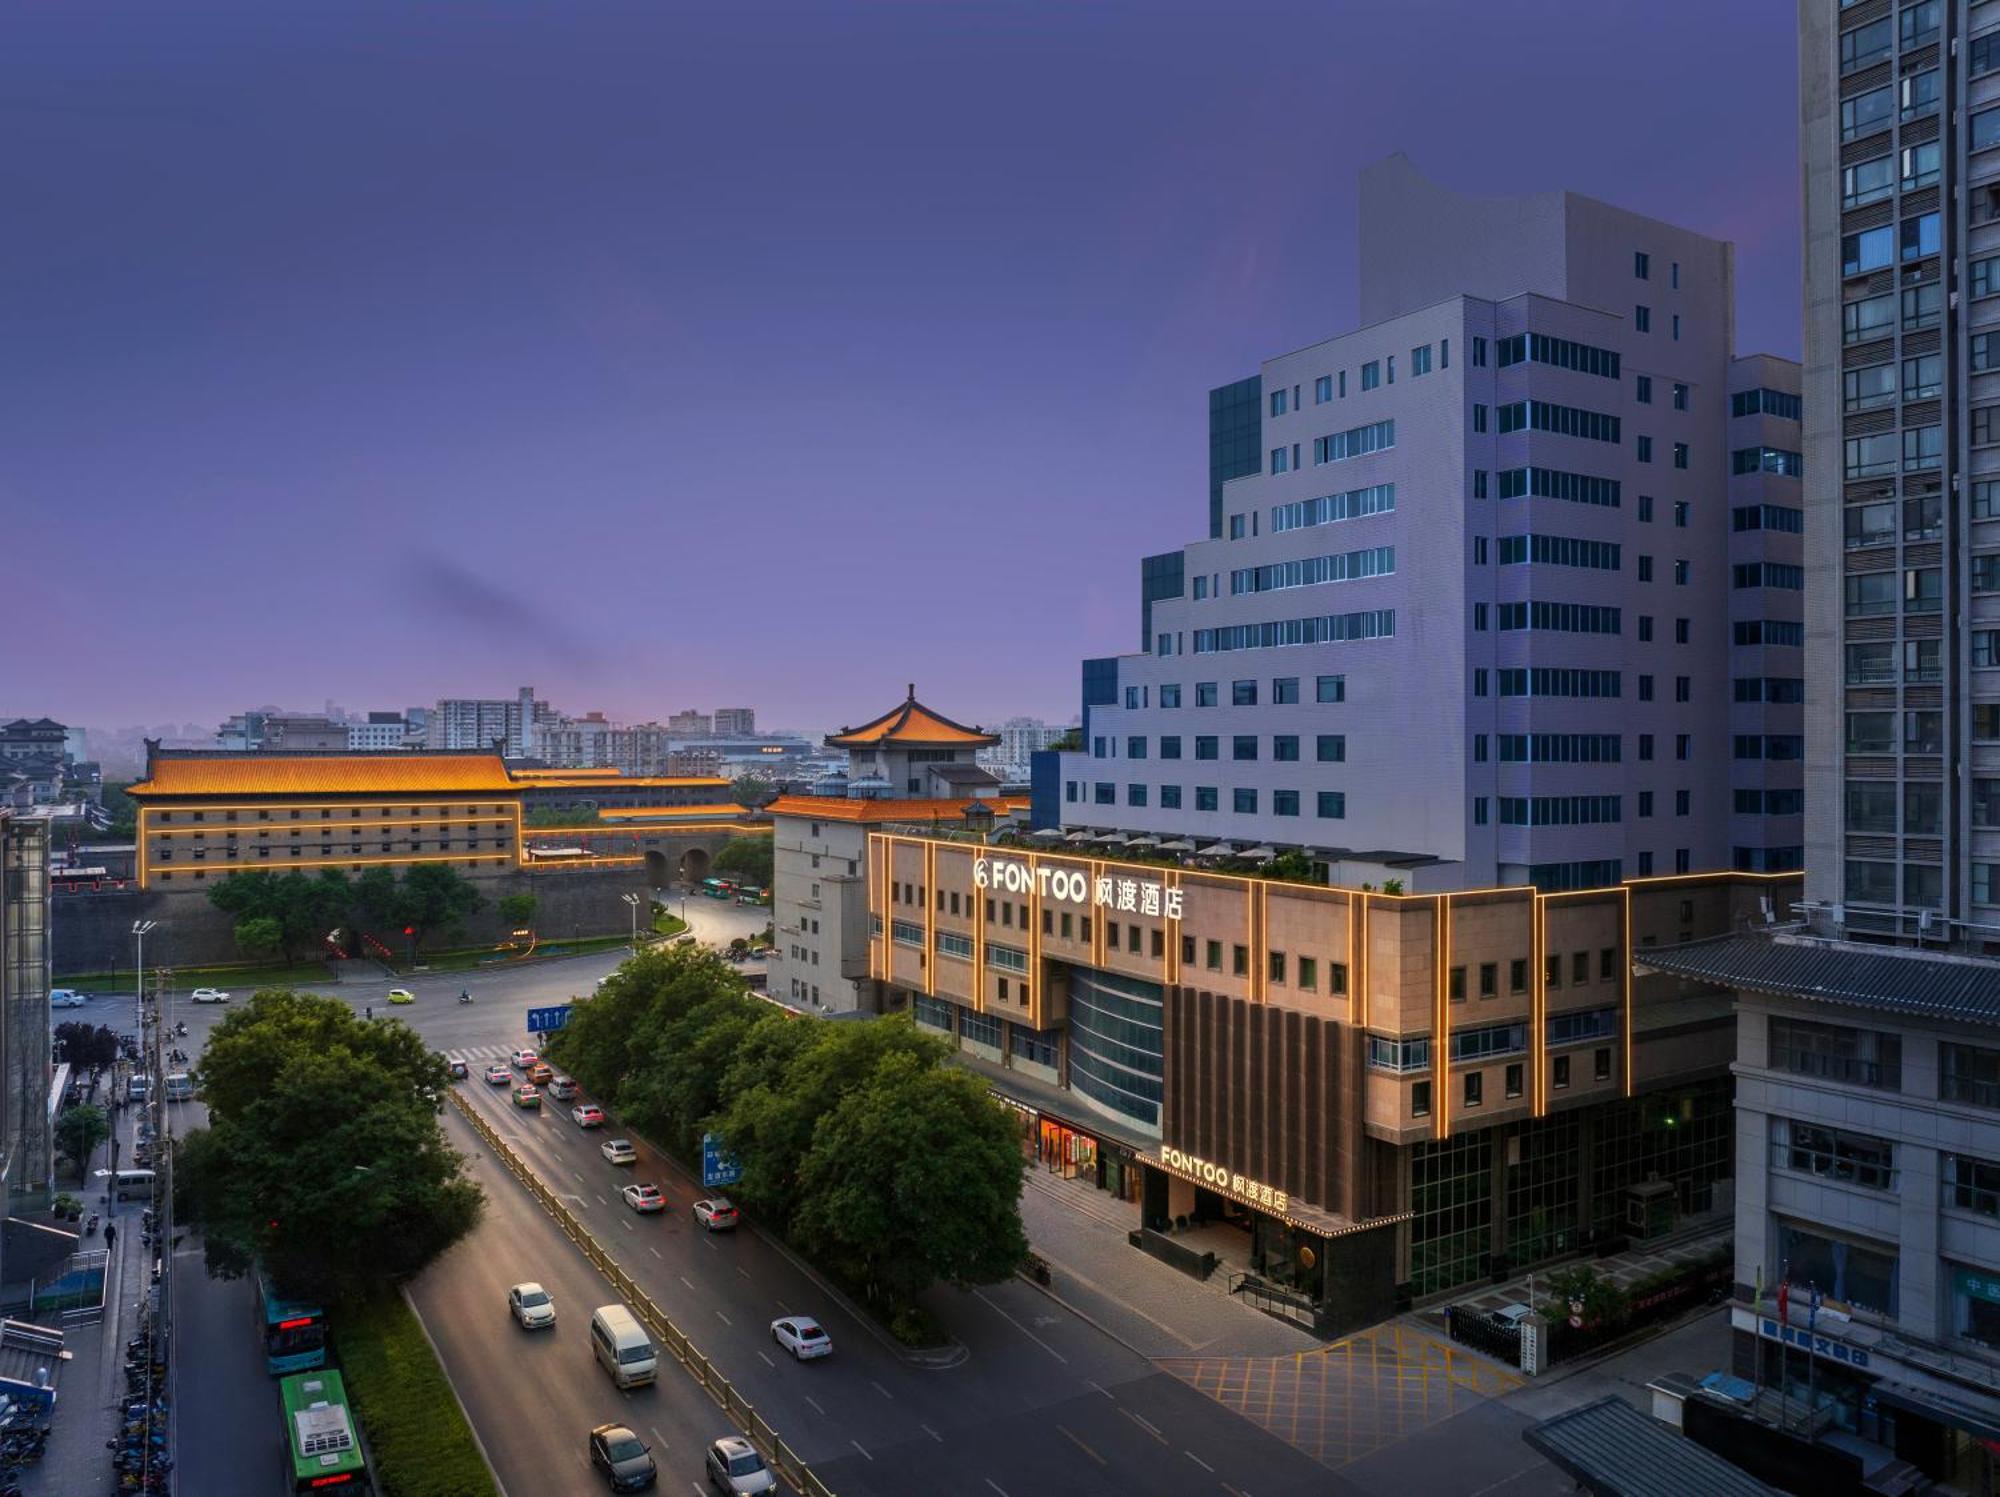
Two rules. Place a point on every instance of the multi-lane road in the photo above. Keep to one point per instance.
(1040, 1402)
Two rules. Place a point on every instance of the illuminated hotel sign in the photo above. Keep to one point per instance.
(1136, 896)
(1220, 1177)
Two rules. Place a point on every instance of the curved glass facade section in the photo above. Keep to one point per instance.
(1117, 1043)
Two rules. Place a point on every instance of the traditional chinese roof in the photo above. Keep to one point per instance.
(911, 722)
(224, 773)
(669, 813)
(834, 808)
(591, 779)
(1925, 984)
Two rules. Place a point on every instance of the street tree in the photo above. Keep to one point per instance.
(374, 895)
(894, 1218)
(752, 791)
(518, 909)
(435, 899)
(79, 1130)
(323, 1157)
(85, 1045)
(259, 936)
(748, 858)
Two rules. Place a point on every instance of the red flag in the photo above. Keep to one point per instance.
(1784, 1302)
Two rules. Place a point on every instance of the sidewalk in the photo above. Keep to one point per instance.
(1156, 1310)
(90, 1394)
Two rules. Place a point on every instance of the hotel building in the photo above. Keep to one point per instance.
(1420, 1089)
(1501, 588)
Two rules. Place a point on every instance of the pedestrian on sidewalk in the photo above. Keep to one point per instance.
(110, 1238)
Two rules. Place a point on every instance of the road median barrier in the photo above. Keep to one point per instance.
(755, 1427)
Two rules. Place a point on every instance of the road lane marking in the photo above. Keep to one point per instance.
(882, 1390)
(996, 1486)
(724, 1318)
(1199, 1461)
(685, 1279)
(815, 1403)
(1234, 1492)
(767, 1361)
(624, 1223)
(981, 1294)
(934, 1435)
(1100, 1388)
(654, 1251)
(1083, 1447)
(742, 1270)
(657, 1435)
(602, 1201)
(1143, 1424)
(858, 1446)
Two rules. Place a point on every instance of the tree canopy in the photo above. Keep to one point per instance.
(858, 1141)
(747, 857)
(79, 1130)
(323, 1157)
(292, 913)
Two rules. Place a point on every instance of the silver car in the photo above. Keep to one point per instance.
(734, 1467)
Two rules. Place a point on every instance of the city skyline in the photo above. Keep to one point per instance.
(451, 334)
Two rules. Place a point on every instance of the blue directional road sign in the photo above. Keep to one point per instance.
(718, 1165)
(541, 1020)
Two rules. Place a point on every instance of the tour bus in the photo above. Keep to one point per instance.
(319, 1434)
(294, 1331)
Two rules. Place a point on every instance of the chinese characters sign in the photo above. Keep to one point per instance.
(1220, 1177)
(1807, 1341)
(1133, 896)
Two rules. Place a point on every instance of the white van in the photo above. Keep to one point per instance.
(137, 1088)
(622, 1346)
(131, 1185)
(180, 1087)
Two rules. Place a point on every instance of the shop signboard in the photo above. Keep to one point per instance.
(1136, 896)
(1221, 1178)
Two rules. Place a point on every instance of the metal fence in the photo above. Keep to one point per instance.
(1483, 1333)
(754, 1425)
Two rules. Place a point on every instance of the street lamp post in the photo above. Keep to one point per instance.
(632, 902)
(139, 929)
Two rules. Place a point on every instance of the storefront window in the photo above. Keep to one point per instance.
(1118, 1043)
(1849, 1272)
(1975, 1305)
(1451, 1185)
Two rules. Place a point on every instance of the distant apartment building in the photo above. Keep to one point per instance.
(1899, 124)
(303, 735)
(381, 733)
(735, 722)
(1021, 738)
(37, 738)
(476, 724)
(1501, 588)
(691, 724)
(595, 742)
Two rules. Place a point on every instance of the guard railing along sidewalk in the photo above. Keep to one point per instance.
(757, 1428)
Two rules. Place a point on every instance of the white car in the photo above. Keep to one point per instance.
(644, 1198)
(208, 995)
(619, 1151)
(735, 1468)
(588, 1115)
(522, 1059)
(802, 1336)
(531, 1306)
(66, 998)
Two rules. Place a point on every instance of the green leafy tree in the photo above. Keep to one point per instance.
(560, 816)
(79, 1130)
(747, 858)
(1604, 1303)
(518, 909)
(752, 791)
(84, 1044)
(435, 898)
(122, 809)
(323, 1156)
(373, 900)
(894, 1218)
(259, 936)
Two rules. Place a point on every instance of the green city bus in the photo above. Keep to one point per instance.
(324, 1450)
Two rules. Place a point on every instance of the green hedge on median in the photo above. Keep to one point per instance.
(419, 1441)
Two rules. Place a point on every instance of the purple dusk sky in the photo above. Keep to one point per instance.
(661, 355)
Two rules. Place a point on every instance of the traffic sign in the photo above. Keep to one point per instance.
(541, 1020)
(718, 1165)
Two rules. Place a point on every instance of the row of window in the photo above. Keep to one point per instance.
(1875, 732)
(1560, 810)
(1768, 517)
(1769, 802)
(1330, 748)
(1560, 618)
(1767, 574)
(1869, 882)
(1884, 662)
(1917, 448)
(161, 818)
(1372, 623)
(1766, 402)
(1330, 805)
(1561, 353)
(1767, 460)
(1871, 181)
(1563, 420)
(1328, 387)
(1328, 509)
(1310, 571)
(1874, 317)
(1915, 589)
(1870, 806)
(1875, 249)
(1558, 551)
(1552, 483)
(1911, 98)
(1242, 693)
(1558, 748)
(1784, 690)
(1872, 386)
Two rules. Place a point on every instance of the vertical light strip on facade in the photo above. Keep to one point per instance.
(1033, 1000)
(1538, 1002)
(928, 891)
(1259, 940)
(1096, 924)
(1357, 1001)
(1625, 941)
(142, 848)
(1173, 881)
(978, 941)
(1440, 1022)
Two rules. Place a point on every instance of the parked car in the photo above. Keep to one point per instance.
(619, 1151)
(401, 995)
(717, 1213)
(622, 1457)
(1511, 1316)
(531, 1305)
(522, 1059)
(645, 1198)
(735, 1468)
(67, 998)
(527, 1096)
(589, 1115)
(802, 1336)
(208, 995)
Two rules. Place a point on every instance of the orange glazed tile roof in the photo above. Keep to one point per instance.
(323, 774)
(834, 808)
(590, 779)
(666, 813)
(565, 774)
(910, 722)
